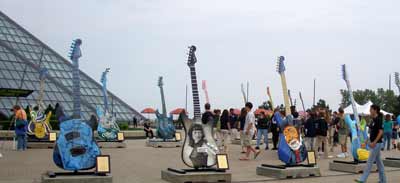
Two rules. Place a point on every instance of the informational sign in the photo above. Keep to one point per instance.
(178, 136)
(52, 136)
(222, 162)
(311, 158)
(103, 164)
(120, 136)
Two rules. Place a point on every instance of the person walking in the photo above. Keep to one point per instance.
(275, 130)
(249, 132)
(224, 130)
(375, 145)
(322, 132)
(343, 131)
(309, 131)
(242, 120)
(234, 126)
(387, 131)
(263, 124)
(20, 127)
(134, 122)
(394, 132)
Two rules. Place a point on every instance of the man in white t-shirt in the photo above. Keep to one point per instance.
(249, 132)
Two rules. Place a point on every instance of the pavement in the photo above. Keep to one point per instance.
(138, 163)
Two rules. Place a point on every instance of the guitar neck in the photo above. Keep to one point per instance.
(76, 90)
(353, 102)
(285, 94)
(302, 102)
(105, 96)
(272, 102)
(195, 92)
(164, 108)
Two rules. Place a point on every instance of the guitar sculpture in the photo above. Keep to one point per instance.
(108, 128)
(199, 149)
(204, 87)
(354, 125)
(292, 150)
(302, 102)
(243, 93)
(270, 98)
(397, 80)
(290, 98)
(75, 148)
(39, 126)
(165, 126)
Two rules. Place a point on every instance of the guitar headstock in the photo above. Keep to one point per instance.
(103, 76)
(204, 85)
(75, 51)
(281, 65)
(397, 79)
(192, 56)
(268, 91)
(344, 73)
(242, 88)
(43, 73)
(160, 81)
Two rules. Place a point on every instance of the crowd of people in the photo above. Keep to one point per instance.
(321, 129)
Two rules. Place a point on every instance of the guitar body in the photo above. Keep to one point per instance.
(165, 127)
(292, 150)
(108, 128)
(199, 149)
(203, 153)
(76, 148)
(39, 126)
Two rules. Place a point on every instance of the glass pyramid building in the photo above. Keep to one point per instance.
(22, 55)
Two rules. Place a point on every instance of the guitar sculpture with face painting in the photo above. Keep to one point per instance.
(292, 150)
(199, 149)
(354, 125)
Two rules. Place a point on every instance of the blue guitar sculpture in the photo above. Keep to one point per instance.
(75, 148)
(165, 126)
(354, 125)
(292, 150)
(108, 129)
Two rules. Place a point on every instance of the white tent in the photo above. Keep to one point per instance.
(362, 109)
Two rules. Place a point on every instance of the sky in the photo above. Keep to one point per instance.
(237, 42)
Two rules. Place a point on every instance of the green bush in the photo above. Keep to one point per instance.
(123, 126)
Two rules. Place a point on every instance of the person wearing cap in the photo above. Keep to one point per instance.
(20, 127)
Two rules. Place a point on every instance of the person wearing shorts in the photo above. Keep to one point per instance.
(343, 131)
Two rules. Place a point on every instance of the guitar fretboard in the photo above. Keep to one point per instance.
(195, 92)
(76, 90)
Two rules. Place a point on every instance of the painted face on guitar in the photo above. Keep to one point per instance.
(292, 137)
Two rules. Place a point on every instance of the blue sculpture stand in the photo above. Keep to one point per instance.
(195, 175)
(75, 177)
(161, 143)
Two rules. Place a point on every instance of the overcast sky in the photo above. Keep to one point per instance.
(237, 41)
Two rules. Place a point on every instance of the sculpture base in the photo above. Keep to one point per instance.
(392, 162)
(237, 142)
(41, 145)
(160, 143)
(283, 172)
(79, 177)
(349, 166)
(192, 175)
(111, 144)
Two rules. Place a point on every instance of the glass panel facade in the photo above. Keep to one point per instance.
(22, 56)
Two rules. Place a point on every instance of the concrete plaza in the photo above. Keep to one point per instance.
(138, 163)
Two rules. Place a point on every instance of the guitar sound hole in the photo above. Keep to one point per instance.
(76, 151)
(72, 135)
